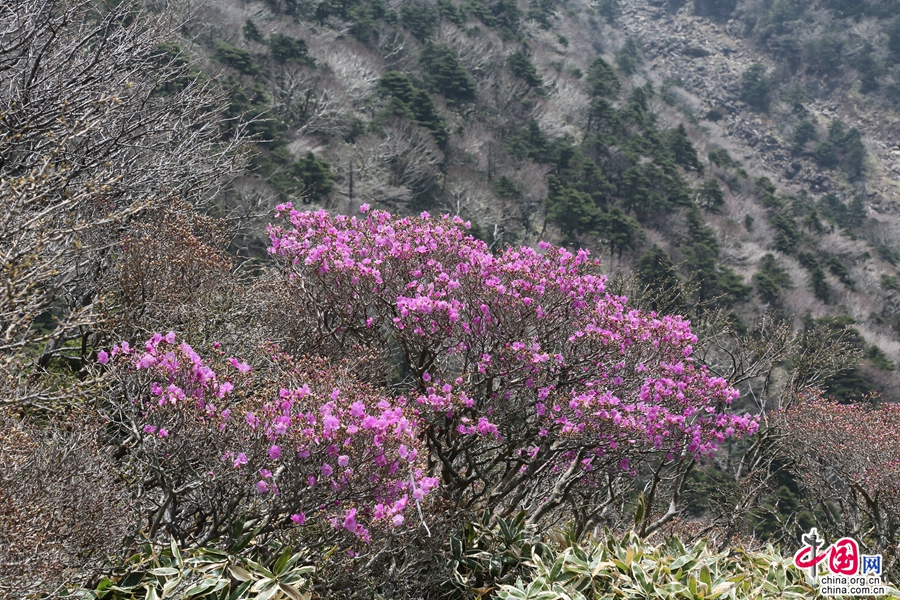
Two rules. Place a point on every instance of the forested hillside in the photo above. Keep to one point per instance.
(498, 298)
(747, 147)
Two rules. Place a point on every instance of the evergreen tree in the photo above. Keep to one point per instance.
(756, 87)
(641, 191)
(506, 188)
(628, 58)
(572, 210)
(285, 48)
(420, 19)
(710, 195)
(237, 58)
(819, 285)
(620, 231)
(252, 32)
(446, 75)
(770, 279)
(315, 175)
(530, 143)
(804, 133)
(519, 65)
(395, 83)
(601, 80)
(721, 158)
(448, 10)
(787, 235)
(683, 150)
(655, 269)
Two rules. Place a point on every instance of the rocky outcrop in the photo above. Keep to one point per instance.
(707, 60)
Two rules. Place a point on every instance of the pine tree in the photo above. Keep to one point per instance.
(446, 75)
(252, 32)
(710, 195)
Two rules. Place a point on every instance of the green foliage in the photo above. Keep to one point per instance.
(644, 191)
(748, 222)
(602, 81)
(619, 231)
(796, 96)
(610, 10)
(632, 569)
(252, 105)
(839, 270)
(628, 58)
(890, 283)
(842, 148)
(819, 285)
(311, 177)
(520, 65)
(656, 271)
(479, 10)
(236, 58)
(721, 158)
(530, 142)
(505, 187)
(701, 251)
(485, 555)
(868, 68)
(448, 10)
(409, 102)
(543, 11)
(887, 254)
(770, 279)
(682, 149)
(284, 48)
(572, 210)
(832, 209)
(171, 54)
(506, 18)
(878, 358)
(655, 268)
(169, 571)
(420, 19)
(756, 87)
(823, 55)
(710, 195)
(856, 213)
(706, 488)
(804, 132)
(787, 235)
(252, 32)
(445, 75)
(365, 19)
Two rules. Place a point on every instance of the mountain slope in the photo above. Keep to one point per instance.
(657, 135)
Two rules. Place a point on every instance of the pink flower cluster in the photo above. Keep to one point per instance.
(523, 348)
(347, 455)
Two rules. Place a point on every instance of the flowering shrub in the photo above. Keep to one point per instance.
(531, 381)
(293, 441)
(847, 458)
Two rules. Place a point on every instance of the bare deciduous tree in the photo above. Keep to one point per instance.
(101, 117)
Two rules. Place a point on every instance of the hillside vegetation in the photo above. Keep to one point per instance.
(434, 299)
